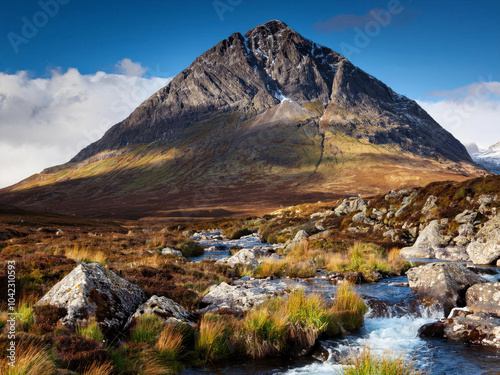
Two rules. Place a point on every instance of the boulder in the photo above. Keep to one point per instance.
(350, 205)
(478, 329)
(428, 242)
(244, 296)
(466, 230)
(243, 257)
(91, 291)
(171, 312)
(466, 217)
(300, 236)
(452, 253)
(430, 204)
(486, 199)
(445, 283)
(486, 247)
(170, 251)
(465, 327)
(484, 298)
(361, 218)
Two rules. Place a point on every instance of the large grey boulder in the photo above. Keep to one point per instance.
(244, 257)
(241, 297)
(350, 205)
(430, 204)
(91, 291)
(170, 311)
(484, 298)
(486, 248)
(478, 329)
(171, 251)
(466, 217)
(300, 236)
(428, 242)
(445, 283)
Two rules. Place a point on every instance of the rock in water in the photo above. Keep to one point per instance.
(484, 298)
(241, 297)
(445, 283)
(486, 248)
(242, 257)
(91, 291)
(170, 311)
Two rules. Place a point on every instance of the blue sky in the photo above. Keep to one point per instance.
(429, 45)
(70, 69)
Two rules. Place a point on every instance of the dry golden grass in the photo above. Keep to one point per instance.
(31, 359)
(156, 260)
(97, 368)
(367, 363)
(79, 253)
(169, 343)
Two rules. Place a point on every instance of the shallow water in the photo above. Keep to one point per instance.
(224, 245)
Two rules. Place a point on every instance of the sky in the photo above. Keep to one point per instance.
(70, 69)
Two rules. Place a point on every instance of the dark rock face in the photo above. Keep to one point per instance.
(445, 283)
(247, 74)
(253, 73)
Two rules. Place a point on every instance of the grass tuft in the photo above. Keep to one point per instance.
(366, 363)
(31, 359)
(147, 329)
(96, 368)
(212, 343)
(91, 331)
(348, 308)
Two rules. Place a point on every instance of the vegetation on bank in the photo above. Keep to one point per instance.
(281, 326)
(47, 247)
(304, 260)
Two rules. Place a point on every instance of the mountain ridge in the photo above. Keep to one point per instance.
(262, 119)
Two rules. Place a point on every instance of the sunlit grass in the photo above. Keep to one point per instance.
(82, 254)
(212, 342)
(367, 363)
(31, 359)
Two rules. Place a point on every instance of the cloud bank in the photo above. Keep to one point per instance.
(46, 121)
(471, 113)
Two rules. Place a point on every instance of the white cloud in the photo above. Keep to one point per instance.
(471, 113)
(129, 68)
(46, 121)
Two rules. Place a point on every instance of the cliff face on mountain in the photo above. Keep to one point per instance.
(259, 120)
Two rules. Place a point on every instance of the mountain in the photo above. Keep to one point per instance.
(260, 120)
(490, 158)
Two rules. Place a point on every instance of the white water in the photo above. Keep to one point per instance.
(399, 335)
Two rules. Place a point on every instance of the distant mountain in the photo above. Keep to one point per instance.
(490, 158)
(264, 119)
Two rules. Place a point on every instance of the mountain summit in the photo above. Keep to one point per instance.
(259, 120)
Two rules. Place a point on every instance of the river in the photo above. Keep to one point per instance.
(391, 324)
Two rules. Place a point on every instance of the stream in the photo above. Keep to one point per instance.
(391, 324)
